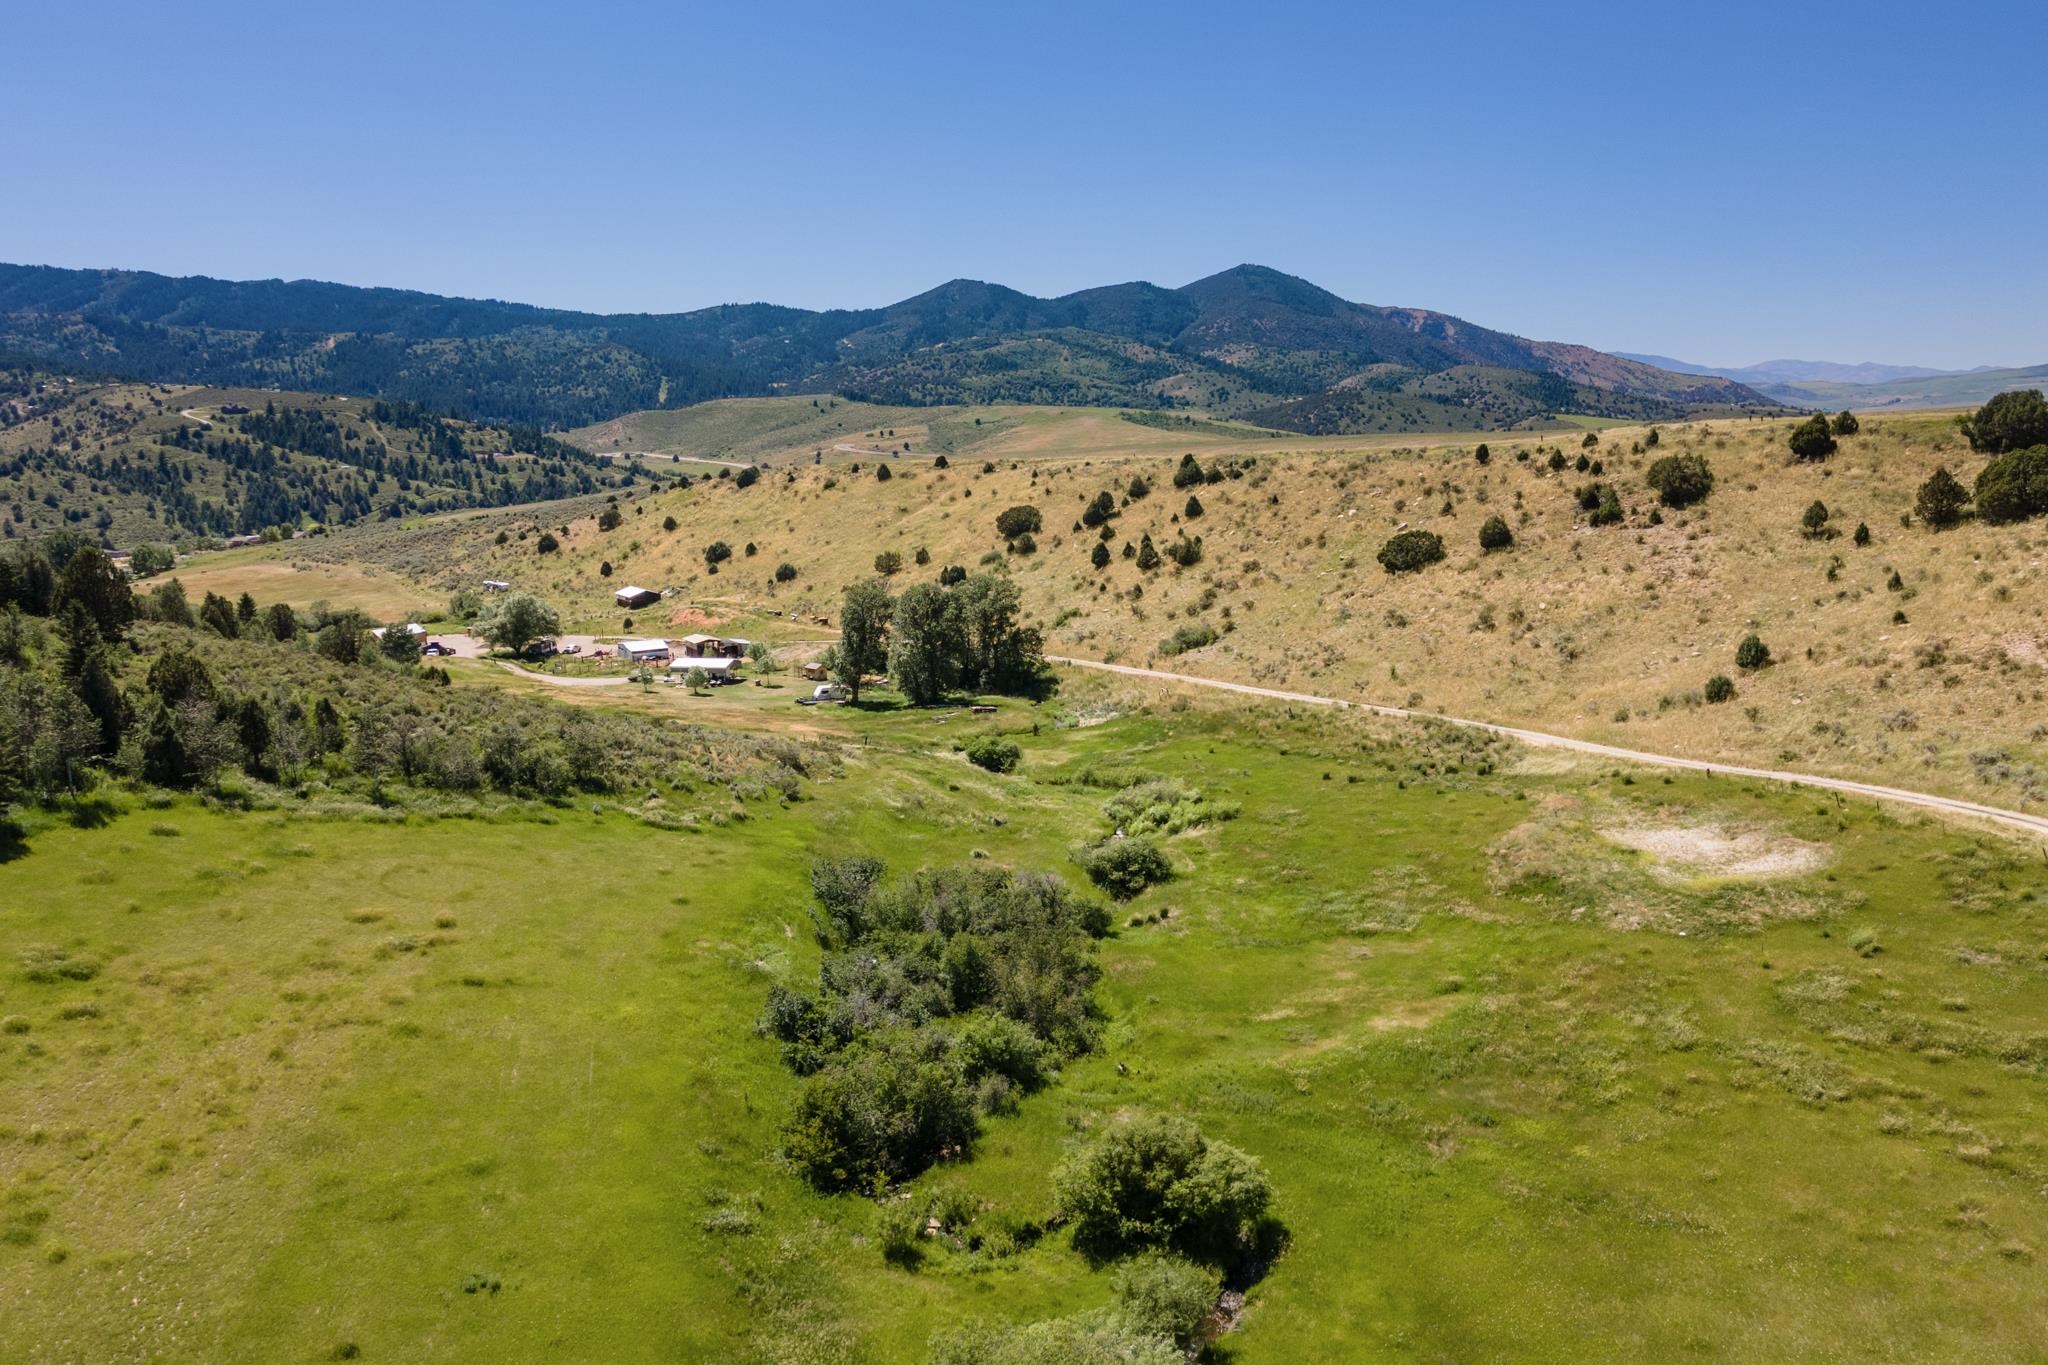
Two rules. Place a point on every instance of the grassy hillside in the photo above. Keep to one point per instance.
(128, 463)
(1537, 1067)
(755, 429)
(1607, 633)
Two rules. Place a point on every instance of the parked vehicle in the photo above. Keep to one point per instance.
(828, 692)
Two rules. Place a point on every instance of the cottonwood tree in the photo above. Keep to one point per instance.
(865, 611)
(516, 620)
(925, 644)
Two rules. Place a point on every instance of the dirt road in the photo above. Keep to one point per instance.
(664, 455)
(556, 680)
(1946, 805)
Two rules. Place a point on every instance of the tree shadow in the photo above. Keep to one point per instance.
(94, 811)
(13, 840)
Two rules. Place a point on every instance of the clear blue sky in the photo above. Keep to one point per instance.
(1723, 183)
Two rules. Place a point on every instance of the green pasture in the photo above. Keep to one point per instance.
(285, 1087)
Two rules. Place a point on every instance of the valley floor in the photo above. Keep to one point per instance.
(1547, 1061)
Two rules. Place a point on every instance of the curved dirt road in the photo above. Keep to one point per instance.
(554, 680)
(662, 455)
(1945, 805)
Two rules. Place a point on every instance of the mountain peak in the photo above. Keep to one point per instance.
(1261, 284)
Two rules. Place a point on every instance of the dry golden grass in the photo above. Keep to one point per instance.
(264, 575)
(1601, 633)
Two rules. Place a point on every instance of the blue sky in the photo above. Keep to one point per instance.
(1721, 183)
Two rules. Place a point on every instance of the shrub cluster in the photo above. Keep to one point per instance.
(1812, 439)
(1411, 550)
(1941, 499)
(1164, 805)
(2014, 487)
(1124, 866)
(1012, 522)
(1159, 1183)
(994, 753)
(940, 998)
(1187, 638)
(2010, 421)
(1681, 480)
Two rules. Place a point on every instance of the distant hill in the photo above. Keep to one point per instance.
(126, 463)
(1938, 391)
(1248, 342)
(1805, 371)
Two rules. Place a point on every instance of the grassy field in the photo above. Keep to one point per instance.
(1545, 1062)
(258, 571)
(1604, 633)
(781, 432)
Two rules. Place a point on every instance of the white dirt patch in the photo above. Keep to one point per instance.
(1683, 852)
(2023, 649)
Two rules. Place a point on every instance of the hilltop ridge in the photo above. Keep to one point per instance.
(1249, 341)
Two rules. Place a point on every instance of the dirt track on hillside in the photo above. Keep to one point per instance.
(1945, 805)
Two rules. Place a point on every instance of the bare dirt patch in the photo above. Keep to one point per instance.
(1685, 852)
(691, 616)
(2023, 649)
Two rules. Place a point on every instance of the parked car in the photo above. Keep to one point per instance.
(436, 648)
(571, 649)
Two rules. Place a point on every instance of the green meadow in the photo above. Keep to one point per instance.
(1567, 1064)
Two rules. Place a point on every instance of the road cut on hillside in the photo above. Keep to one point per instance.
(1945, 805)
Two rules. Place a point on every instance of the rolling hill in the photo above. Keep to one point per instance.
(129, 463)
(1935, 391)
(1247, 341)
(1933, 679)
(1804, 371)
(1827, 384)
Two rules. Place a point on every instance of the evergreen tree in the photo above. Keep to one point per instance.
(2010, 421)
(1940, 500)
(218, 615)
(282, 620)
(1100, 557)
(90, 679)
(1812, 439)
(1148, 557)
(91, 580)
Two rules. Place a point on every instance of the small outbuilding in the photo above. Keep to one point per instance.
(644, 651)
(717, 670)
(631, 596)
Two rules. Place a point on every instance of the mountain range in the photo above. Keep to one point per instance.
(1249, 342)
(1830, 384)
(1805, 371)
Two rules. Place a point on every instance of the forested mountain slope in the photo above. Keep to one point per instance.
(1249, 339)
(134, 463)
